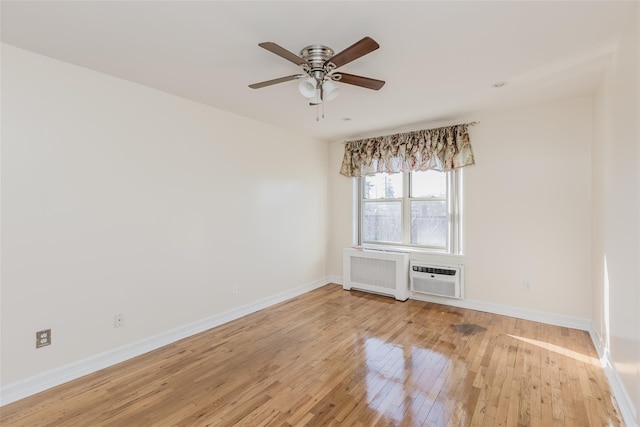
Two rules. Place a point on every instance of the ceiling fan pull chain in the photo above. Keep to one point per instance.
(322, 95)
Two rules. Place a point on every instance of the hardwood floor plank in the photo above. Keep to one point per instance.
(332, 357)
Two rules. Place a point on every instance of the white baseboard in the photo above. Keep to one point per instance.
(36, 384)
(506, 310)
(622, 398)
(30, 386)
(335, 279)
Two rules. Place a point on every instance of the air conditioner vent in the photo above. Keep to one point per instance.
(434, 270)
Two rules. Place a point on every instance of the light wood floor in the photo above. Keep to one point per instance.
(332, 357)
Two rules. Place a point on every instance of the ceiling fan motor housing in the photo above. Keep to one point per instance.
(317, 55)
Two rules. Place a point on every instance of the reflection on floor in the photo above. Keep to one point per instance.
(332, 357)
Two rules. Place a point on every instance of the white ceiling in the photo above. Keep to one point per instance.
(439, 58)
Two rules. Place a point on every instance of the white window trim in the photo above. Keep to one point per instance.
(454, 218)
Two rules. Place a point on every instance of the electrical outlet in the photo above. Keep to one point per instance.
(118, 320)
(235, 289)
(43, 338)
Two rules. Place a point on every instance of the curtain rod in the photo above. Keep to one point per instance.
(391, 132)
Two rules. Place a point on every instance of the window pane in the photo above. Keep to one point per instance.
(382, 222)
(429, 223)
(428, 184)
(383, 186)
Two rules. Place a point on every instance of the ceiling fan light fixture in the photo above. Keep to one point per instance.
(307, 87)
(330, 90)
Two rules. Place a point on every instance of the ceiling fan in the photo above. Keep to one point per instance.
(319, 66)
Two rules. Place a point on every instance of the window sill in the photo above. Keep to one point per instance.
(408, 249)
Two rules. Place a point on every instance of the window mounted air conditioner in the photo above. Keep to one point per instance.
(436, 279)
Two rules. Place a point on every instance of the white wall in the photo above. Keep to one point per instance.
(527, 205)
(526, 209)
(117, 198)
(616, 212)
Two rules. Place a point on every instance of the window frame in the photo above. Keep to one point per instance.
(454, 216)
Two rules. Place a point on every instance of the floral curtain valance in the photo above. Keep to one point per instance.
(442, 149)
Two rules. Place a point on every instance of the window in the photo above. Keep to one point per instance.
(419, 210)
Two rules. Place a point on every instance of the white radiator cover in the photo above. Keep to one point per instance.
(437, 279)
(376, 271)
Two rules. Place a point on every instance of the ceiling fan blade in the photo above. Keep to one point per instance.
(275, 81)
(367, 82)
(353, 52)
(284, 53)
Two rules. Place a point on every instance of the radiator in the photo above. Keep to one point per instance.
(379, 272)
(435, 279)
